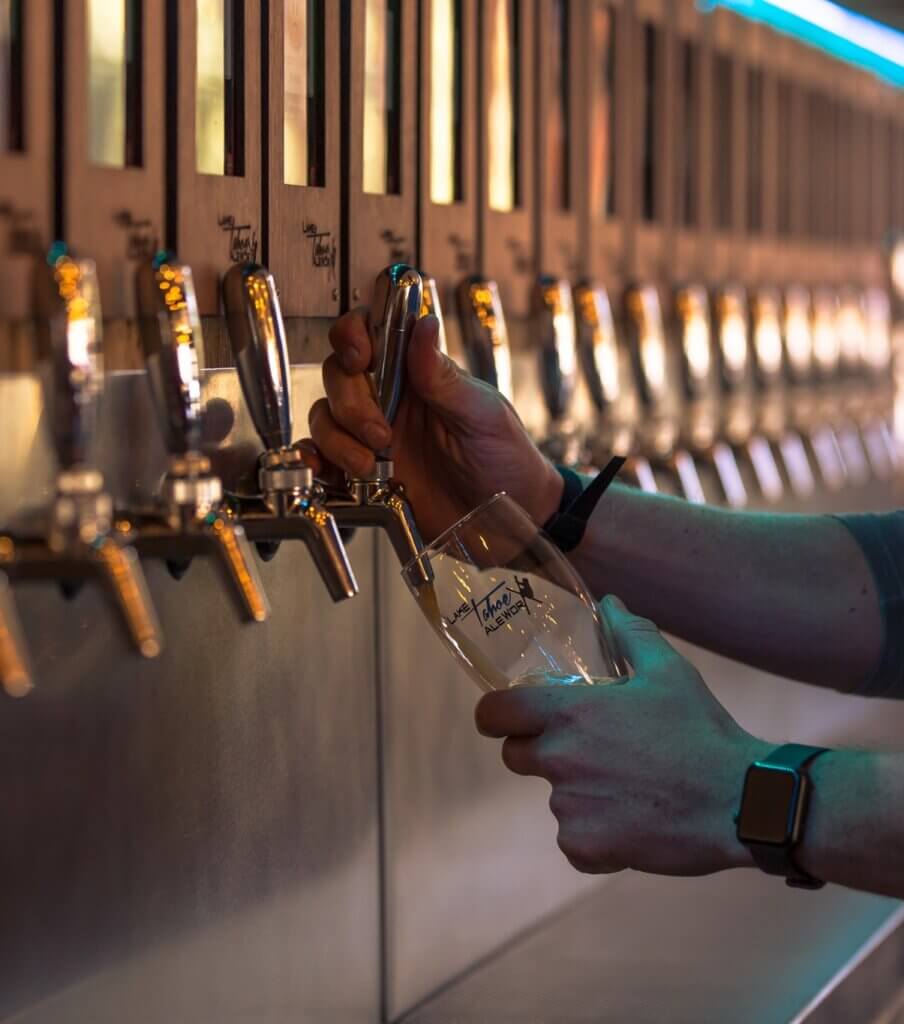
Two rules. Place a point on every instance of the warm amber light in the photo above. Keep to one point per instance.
(444, 74)
(376, 98)
(210, 79)
(106, 81)
(501, 111)
(295, 92)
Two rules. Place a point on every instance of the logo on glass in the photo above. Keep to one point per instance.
(498, 606)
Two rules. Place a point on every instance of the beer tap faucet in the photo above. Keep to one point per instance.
(736, 366)
(289, 506)
(378, 500)
(15, 676)
(484, 333)
(553, 330)
(703, 408)
(76, 540)
(187, 520)
(611, 390)
(661, 425)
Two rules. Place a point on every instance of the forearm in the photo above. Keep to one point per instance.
(855, 829)
(790, 594)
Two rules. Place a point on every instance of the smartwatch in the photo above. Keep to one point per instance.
(773, 813)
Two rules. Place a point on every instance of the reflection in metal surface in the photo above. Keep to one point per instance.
(797, 333)
(15, 674)
(187, 519)
(445, 101)
(696, 338)
(646, 314)
(503, 106)
(286, 505)
(431, 306)
(553, 328)
(484, 333)
(597, 344)
(767, 334)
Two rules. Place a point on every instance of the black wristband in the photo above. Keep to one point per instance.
(566, 528)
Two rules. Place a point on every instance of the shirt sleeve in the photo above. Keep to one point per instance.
(881, 538)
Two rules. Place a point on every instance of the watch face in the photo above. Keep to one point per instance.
(768, 805)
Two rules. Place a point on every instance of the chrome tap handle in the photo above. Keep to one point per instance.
(552, 316)
(171, 338)
(394, 310)
(484, 333)
(258, 337)
(597, 345)
(431, 306)
(68, 336)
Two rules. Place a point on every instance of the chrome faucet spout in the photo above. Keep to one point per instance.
(15, 674)
(386, 508)
(309, 522)
(186, 520)
(289, 505)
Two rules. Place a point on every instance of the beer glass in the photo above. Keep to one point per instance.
(509, 605)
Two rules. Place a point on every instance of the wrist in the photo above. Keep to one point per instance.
(549, 494)
(749, 749)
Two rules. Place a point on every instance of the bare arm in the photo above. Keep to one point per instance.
(792, 594)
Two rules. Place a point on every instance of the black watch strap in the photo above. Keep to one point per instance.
(566, 528)
(779, 860)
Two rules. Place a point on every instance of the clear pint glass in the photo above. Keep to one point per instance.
(509, 605)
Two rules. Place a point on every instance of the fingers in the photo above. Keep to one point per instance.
(337, 445)
(351, 341)
(523, 711)
(638, 639)
(444, 386)
(353, 405)
(521, 756)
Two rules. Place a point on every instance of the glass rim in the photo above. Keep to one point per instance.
(441, 538)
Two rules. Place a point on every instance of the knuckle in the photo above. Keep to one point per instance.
(316, 414)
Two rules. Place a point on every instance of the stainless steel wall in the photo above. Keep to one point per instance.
(193, 838)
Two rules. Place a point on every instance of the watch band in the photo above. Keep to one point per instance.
(566, 527)
(779, 860)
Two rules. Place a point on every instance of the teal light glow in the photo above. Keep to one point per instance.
(842, 33)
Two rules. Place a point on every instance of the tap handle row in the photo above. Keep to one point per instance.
(68, 338)
(171, 340)
(258, 337)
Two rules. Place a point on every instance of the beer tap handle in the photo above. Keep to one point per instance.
(68, 335)
(171, 339)
(484, 333)
(554, 328)
(258, 338)
(394, 310)
(15, 676)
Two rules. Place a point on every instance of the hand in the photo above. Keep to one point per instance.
(645, 774)
(455, 441)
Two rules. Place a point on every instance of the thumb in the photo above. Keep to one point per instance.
(638, 639)
(443, 385)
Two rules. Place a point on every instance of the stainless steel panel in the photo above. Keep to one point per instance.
(471, 855)
(195, 838)
(732, 947)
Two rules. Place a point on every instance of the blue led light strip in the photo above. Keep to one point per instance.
(842, 33)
